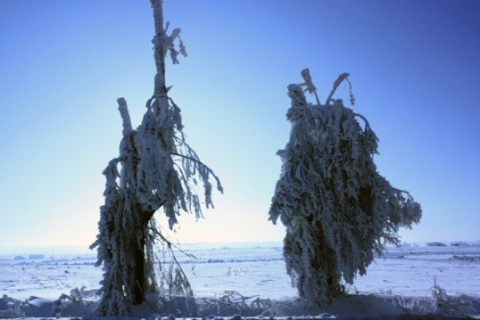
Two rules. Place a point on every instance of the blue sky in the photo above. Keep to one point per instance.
(414, 68)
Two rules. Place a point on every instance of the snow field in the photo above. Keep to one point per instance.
(403, 281)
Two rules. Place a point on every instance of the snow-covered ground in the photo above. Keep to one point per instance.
(250, 280)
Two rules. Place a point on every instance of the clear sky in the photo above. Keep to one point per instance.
(414, 66)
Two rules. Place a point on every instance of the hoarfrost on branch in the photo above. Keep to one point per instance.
(155, 171)
(338, 210)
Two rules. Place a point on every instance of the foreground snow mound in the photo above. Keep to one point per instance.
(234, 306)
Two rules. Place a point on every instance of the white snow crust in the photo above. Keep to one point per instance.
(249, 281)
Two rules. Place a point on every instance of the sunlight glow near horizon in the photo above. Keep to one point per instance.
(414, 69)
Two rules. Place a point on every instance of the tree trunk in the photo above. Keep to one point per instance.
(138, 276)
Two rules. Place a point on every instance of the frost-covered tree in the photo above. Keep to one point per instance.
(338, 211)
(156, 170)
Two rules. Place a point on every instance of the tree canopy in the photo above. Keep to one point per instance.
(338, 210)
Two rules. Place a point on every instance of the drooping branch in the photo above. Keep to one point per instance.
(180, 283)
(210, 171)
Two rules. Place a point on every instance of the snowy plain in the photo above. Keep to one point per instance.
(249, 280)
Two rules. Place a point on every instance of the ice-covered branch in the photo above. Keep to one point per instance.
(309, 84)
(126, 122)
(338, 211)
(150, 179)
(337, 82)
